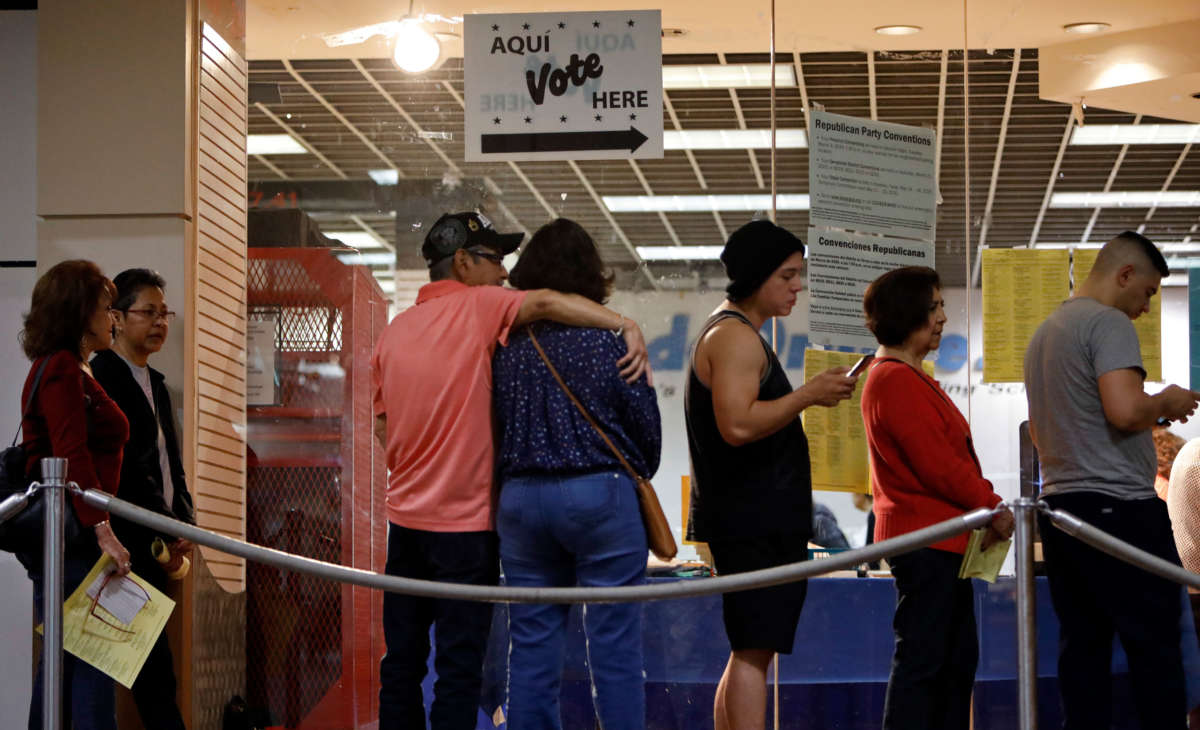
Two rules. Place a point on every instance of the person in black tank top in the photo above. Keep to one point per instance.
(751, 495)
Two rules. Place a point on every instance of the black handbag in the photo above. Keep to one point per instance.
(22, 533)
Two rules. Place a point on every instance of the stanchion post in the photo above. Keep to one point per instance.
(1024, 510)
(54, 472)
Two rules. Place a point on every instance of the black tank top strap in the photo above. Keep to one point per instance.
(724, 314)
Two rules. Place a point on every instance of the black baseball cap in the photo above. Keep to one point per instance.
(462, 230)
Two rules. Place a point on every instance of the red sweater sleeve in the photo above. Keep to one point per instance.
(60, 428)
(929, 439)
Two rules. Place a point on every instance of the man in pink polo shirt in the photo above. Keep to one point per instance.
(432, 374)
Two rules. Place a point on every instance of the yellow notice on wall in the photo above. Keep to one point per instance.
(837, 442)
(1148, 326)
(1021, 287)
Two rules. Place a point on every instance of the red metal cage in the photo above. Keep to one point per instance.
(315, 478)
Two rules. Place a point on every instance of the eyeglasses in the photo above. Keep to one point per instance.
(154, 314)
(96, 604)
(495, 258)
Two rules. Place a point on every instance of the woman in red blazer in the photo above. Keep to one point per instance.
(923, 471)
(72, 417)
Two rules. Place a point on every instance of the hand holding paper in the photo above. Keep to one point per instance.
(113, 624)
(983, 563)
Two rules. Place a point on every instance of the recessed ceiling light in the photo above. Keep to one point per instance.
(1111, 134)
(273, 144)
(898, 29)
(360, 240)
(702, 203)
(680, 253)
(733, 139)
(1128, 199)
(1084, 28)
(367, 259)
(728, 76)
(385, 176)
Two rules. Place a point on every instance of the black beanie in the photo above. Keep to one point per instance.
(752, 254)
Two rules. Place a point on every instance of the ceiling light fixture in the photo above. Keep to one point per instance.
(273, 144)
(727, 76)
(367, 259)
(1085, 28)
(385, 176)
(701, 203)
(898, 29)
(1128, 199)
(416, 49)
(360, 240)
(1097, 134)
(680, 253)
(1164, 246)
(733, 139)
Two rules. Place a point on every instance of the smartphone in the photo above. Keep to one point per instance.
(860, 366)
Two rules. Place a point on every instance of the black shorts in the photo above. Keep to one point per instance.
(761, 618)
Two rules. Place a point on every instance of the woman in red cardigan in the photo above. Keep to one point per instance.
(72, 417)
(923, 471)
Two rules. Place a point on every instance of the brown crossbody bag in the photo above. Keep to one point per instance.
(658, 532)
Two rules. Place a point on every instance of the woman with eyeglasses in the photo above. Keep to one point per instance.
(152, 471)
(70, 416)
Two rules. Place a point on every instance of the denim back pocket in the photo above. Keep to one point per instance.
(592, 499)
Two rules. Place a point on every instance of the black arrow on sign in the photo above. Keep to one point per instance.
(629, 139)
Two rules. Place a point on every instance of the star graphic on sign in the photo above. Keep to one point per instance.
(563, 119)
(495, 27)
(633, 116)
(595, 23)
(529, 120)
(525, 26)
(630, 23)
(495, 120)
(599, 118)
(561, 25)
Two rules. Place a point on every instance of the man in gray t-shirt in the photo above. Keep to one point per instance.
(1090, 419)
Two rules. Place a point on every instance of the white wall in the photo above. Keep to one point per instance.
(18, 184)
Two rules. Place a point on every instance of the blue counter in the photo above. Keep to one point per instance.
(836, 676)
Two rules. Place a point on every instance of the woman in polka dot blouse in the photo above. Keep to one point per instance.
(568, 513)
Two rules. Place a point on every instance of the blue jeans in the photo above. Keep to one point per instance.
(87, 693)
(460, 629)
(584, 530)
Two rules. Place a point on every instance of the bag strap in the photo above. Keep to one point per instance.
(37, 379)
(617, 452)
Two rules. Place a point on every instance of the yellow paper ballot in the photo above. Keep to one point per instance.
(983, 564)
(99, 637)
